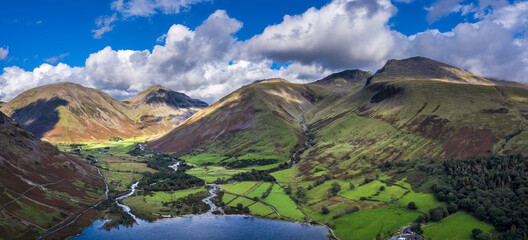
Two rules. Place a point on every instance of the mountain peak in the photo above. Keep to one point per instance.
(421, 68)
(158, 94)
(345, 77)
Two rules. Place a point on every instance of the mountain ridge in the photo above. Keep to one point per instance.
(70, 112)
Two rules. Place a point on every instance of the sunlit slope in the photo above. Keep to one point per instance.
(40, 187)
(159, 109)
(260, 121)
(68, 112)
(412, 115)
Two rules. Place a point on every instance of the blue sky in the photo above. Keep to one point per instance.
(49, 41)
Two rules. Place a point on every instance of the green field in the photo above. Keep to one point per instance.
(456, 227)
(390, 194)
(212, 173)
(366, 224)
(120, 181)
(424, 201)
(366, 190)
(283, 203)
(260, 209)
(244, 201)
(228, 197)
(239, 187)
(257, 192)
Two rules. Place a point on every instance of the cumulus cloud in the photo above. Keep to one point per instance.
(3, 53)
(340, 34)
(209, 62)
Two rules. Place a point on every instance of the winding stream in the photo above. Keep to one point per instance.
(125, 207)
(209, 202)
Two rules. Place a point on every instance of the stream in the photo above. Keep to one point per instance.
(125, 207)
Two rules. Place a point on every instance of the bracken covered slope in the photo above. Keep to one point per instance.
(41, 188)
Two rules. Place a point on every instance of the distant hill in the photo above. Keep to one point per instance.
(41, 188)
(159, 109)
(69, 112)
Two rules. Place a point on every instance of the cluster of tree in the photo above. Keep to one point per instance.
(168, 181)
(253, 175)
(115, 139)
(334, 190)
(494, 189)
(119, 216)
(191, 204)
(267, 192)
(242, 163)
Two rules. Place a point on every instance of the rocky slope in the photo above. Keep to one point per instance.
(68, 112)
(41, 188)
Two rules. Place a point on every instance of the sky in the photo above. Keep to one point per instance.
(209, 48)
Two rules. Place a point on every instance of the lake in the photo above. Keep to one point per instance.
(209, 227)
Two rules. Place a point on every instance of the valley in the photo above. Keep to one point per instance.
(416, 148)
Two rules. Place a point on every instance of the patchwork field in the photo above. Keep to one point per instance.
(366, 224)
(457, 226)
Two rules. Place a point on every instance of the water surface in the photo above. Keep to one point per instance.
(209, 227)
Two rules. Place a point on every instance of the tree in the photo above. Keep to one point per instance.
(336, 187)
(382, 188)
(412, 206)
(240, 206)
(436, 214)
(417, 228)
(352, 186)
(325, 210)
(476, 232)
(452, 208)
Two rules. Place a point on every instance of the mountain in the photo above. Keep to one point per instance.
(255, 125)
(162, 109)
(416, 109)
(41, 188)
(69, 112)
(410, 110)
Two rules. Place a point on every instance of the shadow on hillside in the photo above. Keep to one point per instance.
(41, 116)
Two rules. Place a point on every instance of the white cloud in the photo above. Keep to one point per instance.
(442, 8)
(3, 53)
(208, 62)
(56, 59)
(104, 25)
(340, 34)
(147, 8)
(139, 8)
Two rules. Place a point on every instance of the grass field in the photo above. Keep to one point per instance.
(257, 192)
(366, 224)
(424, 201)
(457, 226)
(239, 187)
(283, 203)
(245, 202)
(390, 194)
(228, 197)
(260, 209)
(212, 173)
(366, 190)
(120, 181)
